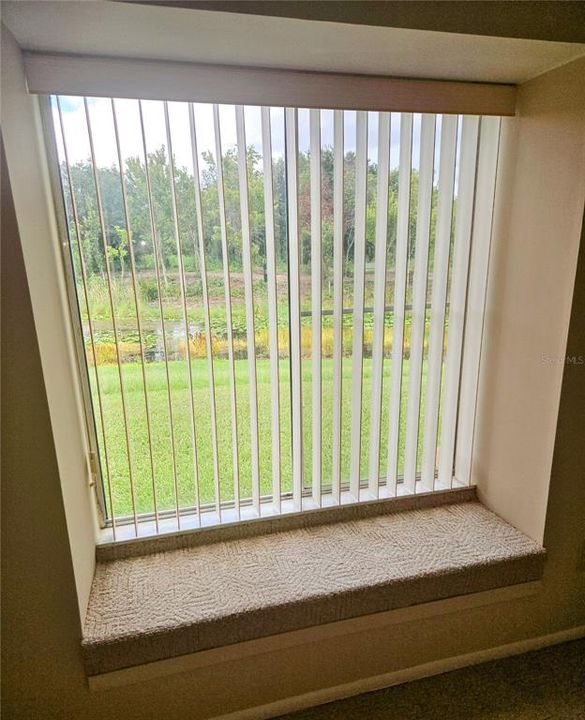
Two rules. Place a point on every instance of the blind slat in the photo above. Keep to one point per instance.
(316, 272)
(476, 294)
(419, 297)
(228, 312)
(137, 309)
(205, 293)
(291, 130)
(400, 271)
(156, 251)
(438, 297)
(103, 234)
(463, 226)
(183, 292)
(337, 299)
(359, 265)
(249, 299)
(379, 301)
(272, 304)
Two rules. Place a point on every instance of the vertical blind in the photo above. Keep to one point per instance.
(281, 308)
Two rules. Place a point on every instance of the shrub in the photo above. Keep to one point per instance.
(327, 342)
(306, 341)
(171, 290)
(215, 287)
(148, 290)
(193, 288)
(262, 343)
(106, 353)
(197, 347)
(220, 347)
(145, 262)
(283, 347)
(240, 349)
(239, 325)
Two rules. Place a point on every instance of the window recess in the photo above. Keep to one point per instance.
(281, 307)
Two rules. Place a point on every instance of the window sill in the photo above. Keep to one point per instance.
(212, 528)
(164, 605)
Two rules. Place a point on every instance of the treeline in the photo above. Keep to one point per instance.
(160, 179)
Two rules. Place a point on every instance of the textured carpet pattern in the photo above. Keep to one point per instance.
(172, 603)
(266, 525)
(544, 685)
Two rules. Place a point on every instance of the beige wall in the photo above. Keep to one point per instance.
(537, 222)
(26, 158)
(42, 673)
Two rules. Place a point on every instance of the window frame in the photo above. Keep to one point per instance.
(97, 480)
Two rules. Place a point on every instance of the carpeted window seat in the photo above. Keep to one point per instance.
(195, 596)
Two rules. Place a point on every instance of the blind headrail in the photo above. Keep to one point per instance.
(180, 81)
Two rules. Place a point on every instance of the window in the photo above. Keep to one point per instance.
(280, 309)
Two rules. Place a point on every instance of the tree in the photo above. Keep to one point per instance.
(163, 248)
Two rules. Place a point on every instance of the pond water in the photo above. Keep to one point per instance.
(153, 339)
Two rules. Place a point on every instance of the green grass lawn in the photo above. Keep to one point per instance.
(161, 435)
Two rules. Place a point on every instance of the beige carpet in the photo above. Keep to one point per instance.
(177, 602)
(544, 685)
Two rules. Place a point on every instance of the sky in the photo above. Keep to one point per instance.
(127, 115)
